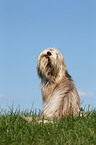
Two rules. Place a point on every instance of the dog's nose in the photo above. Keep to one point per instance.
(49, 53)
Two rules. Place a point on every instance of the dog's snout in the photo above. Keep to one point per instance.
(49, 53)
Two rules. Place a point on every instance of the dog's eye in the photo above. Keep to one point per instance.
(49, 53)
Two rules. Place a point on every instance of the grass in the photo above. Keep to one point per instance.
(68, 130)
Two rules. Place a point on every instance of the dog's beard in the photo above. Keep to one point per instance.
(47, 68)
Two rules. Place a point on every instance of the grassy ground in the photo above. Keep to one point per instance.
(66, 131)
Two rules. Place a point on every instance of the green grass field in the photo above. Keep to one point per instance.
(68, 130)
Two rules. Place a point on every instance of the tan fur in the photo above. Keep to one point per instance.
(59, 93)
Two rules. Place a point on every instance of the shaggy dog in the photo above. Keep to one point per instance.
(59, 93)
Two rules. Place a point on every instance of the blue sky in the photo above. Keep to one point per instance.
(28, 27)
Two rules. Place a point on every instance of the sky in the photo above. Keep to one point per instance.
(27, 28)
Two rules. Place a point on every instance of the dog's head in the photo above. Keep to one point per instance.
(51, 65)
